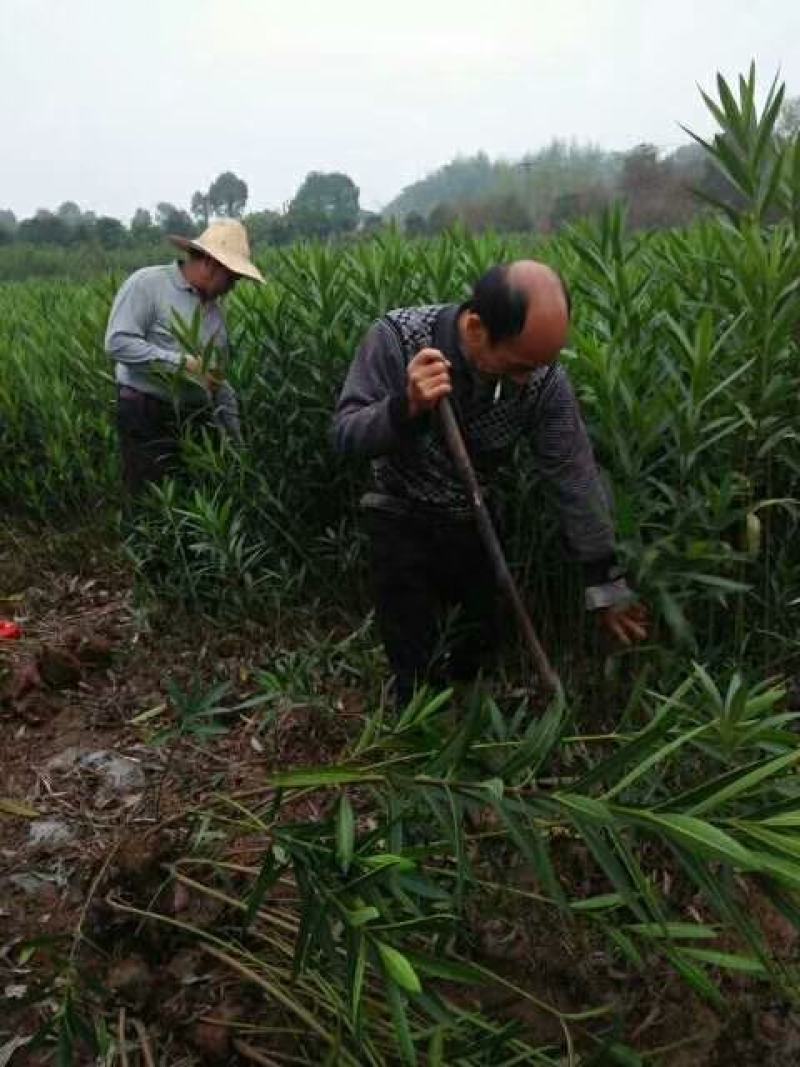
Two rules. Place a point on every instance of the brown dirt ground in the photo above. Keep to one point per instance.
(88, 665)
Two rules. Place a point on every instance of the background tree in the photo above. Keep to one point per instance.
(325, 203)
(44, 228)
(414, 224)
(506, 214)
(8, 226)
(442, 218)
(267, 228)
(142, 228)
(370, 222)
(656, 192)
(201, 208)
(70, 213)
(227, 195)
(141, 220)
(171, 219)
(109, 232)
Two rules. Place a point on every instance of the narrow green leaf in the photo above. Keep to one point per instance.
(436, 1048)
(783, 870)
(359, 916)
(674, 931)
(448, 969)
(345, 834)
(695, 977)
(746, 782)
(267, 876)
(602, 902)
(402, 1029)
(387, 859)
(655, 757)
(700, 836)
(359, 967)
(727, 960)
(326, 776)
(398, 968)
(588, 807)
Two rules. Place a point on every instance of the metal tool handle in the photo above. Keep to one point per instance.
(458, 450)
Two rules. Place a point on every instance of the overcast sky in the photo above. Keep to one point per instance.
(122, 103)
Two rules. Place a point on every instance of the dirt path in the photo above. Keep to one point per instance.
(100, 775)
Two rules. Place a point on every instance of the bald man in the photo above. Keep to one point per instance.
(496, 356)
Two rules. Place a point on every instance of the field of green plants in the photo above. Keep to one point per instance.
(646, 807)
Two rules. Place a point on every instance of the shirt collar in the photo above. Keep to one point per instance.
(179, 280)
(445, 333)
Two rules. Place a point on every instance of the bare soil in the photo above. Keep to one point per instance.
(88, 676)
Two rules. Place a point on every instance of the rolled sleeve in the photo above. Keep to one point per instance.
(609, 595)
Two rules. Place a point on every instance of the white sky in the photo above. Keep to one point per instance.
(122, 103)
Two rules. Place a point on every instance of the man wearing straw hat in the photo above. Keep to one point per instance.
(152, 308)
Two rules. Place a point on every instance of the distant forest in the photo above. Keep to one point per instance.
(542, 191)
(559, 184)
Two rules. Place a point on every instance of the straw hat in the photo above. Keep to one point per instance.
(226, 242)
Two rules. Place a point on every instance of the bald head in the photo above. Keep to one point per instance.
(517, 319)
(547, 320)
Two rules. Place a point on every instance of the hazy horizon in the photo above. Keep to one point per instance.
(121, 105)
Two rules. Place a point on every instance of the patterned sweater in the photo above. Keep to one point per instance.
(411, 465)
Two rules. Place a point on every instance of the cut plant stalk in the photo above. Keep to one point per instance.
(458, 450)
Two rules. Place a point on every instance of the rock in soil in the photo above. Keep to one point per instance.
(59, 668)
(118, 775)
(131, 979)
(33, 884)
(48, 835)
(212, 1041)
(24, 680)
(94, 651)
(121, 775)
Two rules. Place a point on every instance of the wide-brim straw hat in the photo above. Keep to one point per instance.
(226, 242)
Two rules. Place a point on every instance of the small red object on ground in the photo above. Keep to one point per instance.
(9, 631)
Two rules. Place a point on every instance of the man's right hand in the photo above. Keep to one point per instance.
(212, 379)
(192, 365)
(428, 380)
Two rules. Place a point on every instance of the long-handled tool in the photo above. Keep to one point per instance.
(458, 450)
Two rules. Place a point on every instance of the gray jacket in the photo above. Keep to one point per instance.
(410, 459)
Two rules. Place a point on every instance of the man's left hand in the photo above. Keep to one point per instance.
(214, 378)
(627, 624)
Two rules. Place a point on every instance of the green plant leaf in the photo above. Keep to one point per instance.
(345, 834)
(700, 836)
(398, 968)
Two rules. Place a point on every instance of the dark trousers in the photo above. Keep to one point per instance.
(149, 432)
(435, 597)
(149, 439)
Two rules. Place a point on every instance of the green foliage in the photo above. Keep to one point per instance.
(682, 802)
(197, 711)
(683, 353)
(227, 195)
(371, 910)
(324, 204)
(559, 184)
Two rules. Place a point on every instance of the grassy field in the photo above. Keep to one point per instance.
(649, 820)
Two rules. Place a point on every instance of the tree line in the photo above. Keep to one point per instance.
(565, 182)
(325, 204)
(542, 191)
